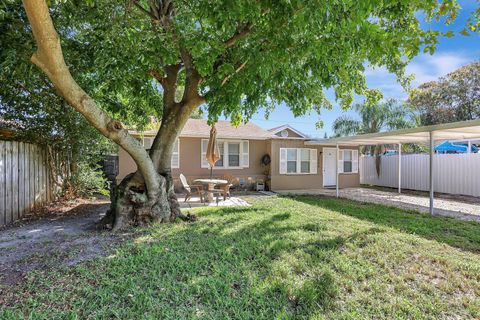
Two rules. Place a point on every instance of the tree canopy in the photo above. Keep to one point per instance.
(455, 97)
(383, 116)
(249, 55)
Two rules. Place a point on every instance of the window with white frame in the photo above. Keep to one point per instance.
(175, 162)
(234, 154)
(220, 162)
(304, 160)
(291, 160)
(348, 161)
(298, 161)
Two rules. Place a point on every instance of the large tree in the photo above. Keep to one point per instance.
(230, 57)
(454, 97)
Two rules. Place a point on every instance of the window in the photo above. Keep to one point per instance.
(304, 160)
(291, 160)
(219, 163)
(348, 161)
(298, 161)
(175, 162)
(234, 154)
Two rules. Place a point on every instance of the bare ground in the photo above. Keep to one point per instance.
(63, 235)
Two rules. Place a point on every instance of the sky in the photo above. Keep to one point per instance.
(451, 54)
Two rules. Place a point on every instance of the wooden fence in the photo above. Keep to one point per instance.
(26, 181)
(453, 173)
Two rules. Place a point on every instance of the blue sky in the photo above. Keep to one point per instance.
(451, 54)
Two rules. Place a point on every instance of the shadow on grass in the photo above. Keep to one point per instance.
(231, 266)
(294, 277)
(464, 235)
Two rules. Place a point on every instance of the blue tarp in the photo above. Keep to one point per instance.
(449, 147)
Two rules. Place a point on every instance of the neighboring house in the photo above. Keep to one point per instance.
(294, 165)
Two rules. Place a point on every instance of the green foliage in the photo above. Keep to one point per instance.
(455, 97)
(283, 52)
(384, 116)
(31, 104)
(87, 181)
(378, 117)
(282, 258)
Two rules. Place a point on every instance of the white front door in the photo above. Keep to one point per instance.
(329, 172)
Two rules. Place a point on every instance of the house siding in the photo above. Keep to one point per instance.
(190, 163)
(304, 181)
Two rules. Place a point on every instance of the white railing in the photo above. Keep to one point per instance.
(453, 173)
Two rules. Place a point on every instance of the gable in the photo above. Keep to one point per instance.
(288, 133)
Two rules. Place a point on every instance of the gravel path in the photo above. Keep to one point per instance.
(449, 207)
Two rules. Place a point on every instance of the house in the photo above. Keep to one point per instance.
(293, 165)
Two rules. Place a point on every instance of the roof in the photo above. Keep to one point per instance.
(200, 128)
(463, 130)
(286, 126)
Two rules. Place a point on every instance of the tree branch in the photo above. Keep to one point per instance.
(49, 58)
(154, 73)
(232, 74)
(239, 34)
(192, 79)
(148, 13)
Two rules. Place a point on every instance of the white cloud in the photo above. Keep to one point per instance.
(424, 67)
(428, 68)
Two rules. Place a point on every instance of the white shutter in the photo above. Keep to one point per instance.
(340, 161)
(283, 161)
(299, 160)
(175, 162)
(313, 161)
(245, 154)
(355, 161)
(204, 162)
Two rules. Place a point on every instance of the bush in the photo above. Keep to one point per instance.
(87, 181)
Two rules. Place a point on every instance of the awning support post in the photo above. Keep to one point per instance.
(399, 168)
(337, 180)
(432, 149)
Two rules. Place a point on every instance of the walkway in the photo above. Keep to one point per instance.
(452, 207)
(194, 202)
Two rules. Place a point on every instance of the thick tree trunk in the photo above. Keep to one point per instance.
(130, 204)
(146, 195)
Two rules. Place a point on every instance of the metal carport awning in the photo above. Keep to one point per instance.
(463, 130)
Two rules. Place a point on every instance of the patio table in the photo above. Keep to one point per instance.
(211, 186)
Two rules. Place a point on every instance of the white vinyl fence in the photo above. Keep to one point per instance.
(453, 173)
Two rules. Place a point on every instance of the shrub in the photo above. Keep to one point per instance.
(87, 181)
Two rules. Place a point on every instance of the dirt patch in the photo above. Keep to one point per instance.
(64, 235)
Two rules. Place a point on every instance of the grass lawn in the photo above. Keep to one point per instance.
(282, 258)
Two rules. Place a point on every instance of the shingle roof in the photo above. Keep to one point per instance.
(200, 128)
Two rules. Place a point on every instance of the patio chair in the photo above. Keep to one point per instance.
(224, 189)
(191, 189)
